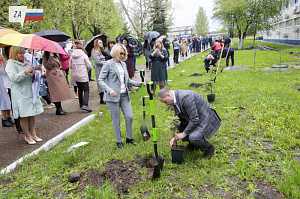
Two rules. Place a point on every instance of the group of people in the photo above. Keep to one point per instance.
(220, 49)
(199, 121)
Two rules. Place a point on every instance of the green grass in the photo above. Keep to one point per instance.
(256, 148)
(286, 48)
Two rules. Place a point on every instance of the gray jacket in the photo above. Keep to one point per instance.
(196, 114)
(111, 74)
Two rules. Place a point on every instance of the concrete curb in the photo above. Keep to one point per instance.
(49, 144)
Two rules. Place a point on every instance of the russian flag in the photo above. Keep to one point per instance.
(34, 14)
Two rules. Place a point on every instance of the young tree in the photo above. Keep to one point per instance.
(201, 24)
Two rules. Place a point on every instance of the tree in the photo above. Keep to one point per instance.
(159, 16)
(201, 24)
(243, 14)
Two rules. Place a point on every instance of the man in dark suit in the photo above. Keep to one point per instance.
(198, 120)
(230, 55)
(227, 41)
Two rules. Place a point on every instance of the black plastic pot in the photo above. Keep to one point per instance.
(211, 97)
(177, 154)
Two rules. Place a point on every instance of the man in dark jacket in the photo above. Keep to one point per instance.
(198, 120)
(227, 41)
(203, 43)
(230, 54)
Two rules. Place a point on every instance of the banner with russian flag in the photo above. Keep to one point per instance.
(22, 14)
(34, 15)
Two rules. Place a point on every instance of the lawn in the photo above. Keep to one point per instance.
(257, 149)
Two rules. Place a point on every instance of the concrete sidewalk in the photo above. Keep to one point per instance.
(48, 125)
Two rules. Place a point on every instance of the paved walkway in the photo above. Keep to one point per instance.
(48, 125)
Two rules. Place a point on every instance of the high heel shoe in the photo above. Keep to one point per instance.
(32, 142)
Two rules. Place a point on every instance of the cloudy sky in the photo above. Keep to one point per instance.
(186, 10)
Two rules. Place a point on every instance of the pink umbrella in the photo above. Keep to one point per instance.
(195, 36)
(31, 41)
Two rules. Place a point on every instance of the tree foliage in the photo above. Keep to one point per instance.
(201, 24)
(79, 18)
(159, 20)
(245, 14)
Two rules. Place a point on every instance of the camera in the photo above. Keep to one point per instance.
(157, 46)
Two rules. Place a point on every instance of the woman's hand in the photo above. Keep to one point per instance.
(143, 83)
(113, 93)
(29, 70)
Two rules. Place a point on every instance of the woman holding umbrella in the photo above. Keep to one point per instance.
(57, 83)
(159, 56)
(99, 60)
(114, 80)
(23, 104)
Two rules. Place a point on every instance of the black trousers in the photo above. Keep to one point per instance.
(83, 93)
(176, 54)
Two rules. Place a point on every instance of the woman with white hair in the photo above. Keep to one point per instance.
(114, 80)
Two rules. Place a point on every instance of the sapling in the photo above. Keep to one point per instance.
(174, 121)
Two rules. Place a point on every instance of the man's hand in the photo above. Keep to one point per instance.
(179, 136)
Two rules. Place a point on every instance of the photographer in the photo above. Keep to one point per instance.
(159, 74)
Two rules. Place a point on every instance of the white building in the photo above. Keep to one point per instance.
(286, 27)
(178, 31)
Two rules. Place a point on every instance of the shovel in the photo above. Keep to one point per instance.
(143, 128)
(159, 166)
(238, 107)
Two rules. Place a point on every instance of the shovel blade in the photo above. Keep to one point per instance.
(156, 172)
(145, 132)
(161, 163)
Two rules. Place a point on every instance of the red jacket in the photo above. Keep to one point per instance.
(218, 46)
(64, 60)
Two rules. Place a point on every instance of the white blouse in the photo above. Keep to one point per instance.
(122, 77)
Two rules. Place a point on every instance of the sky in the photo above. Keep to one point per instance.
(186, 10)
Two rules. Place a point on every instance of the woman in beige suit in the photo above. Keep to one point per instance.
(56, 79)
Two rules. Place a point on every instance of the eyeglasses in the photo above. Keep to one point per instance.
(121, 53)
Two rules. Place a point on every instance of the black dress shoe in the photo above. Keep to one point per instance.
(86, 108)
(6, 123)
(120, 145)
(10, 120)
(61, 112)
(209, 152)
(130, 141)
(91, 80)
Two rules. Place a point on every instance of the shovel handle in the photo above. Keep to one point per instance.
(150, 90)
(142, 74)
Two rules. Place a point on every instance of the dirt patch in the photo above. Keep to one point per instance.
(196, 74)
(196, 85)
(121, 175)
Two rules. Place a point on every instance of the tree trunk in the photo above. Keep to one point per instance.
(241, 41)
(126, 12)
(254, 37)
(74, 29)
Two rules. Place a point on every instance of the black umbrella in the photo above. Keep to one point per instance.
(90, 43)
(151, 35)
(54, 35)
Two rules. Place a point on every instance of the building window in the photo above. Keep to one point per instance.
(297, 21)
(281, 25)
(289, 23)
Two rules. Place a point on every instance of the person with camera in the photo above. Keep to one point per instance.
(159, 74)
